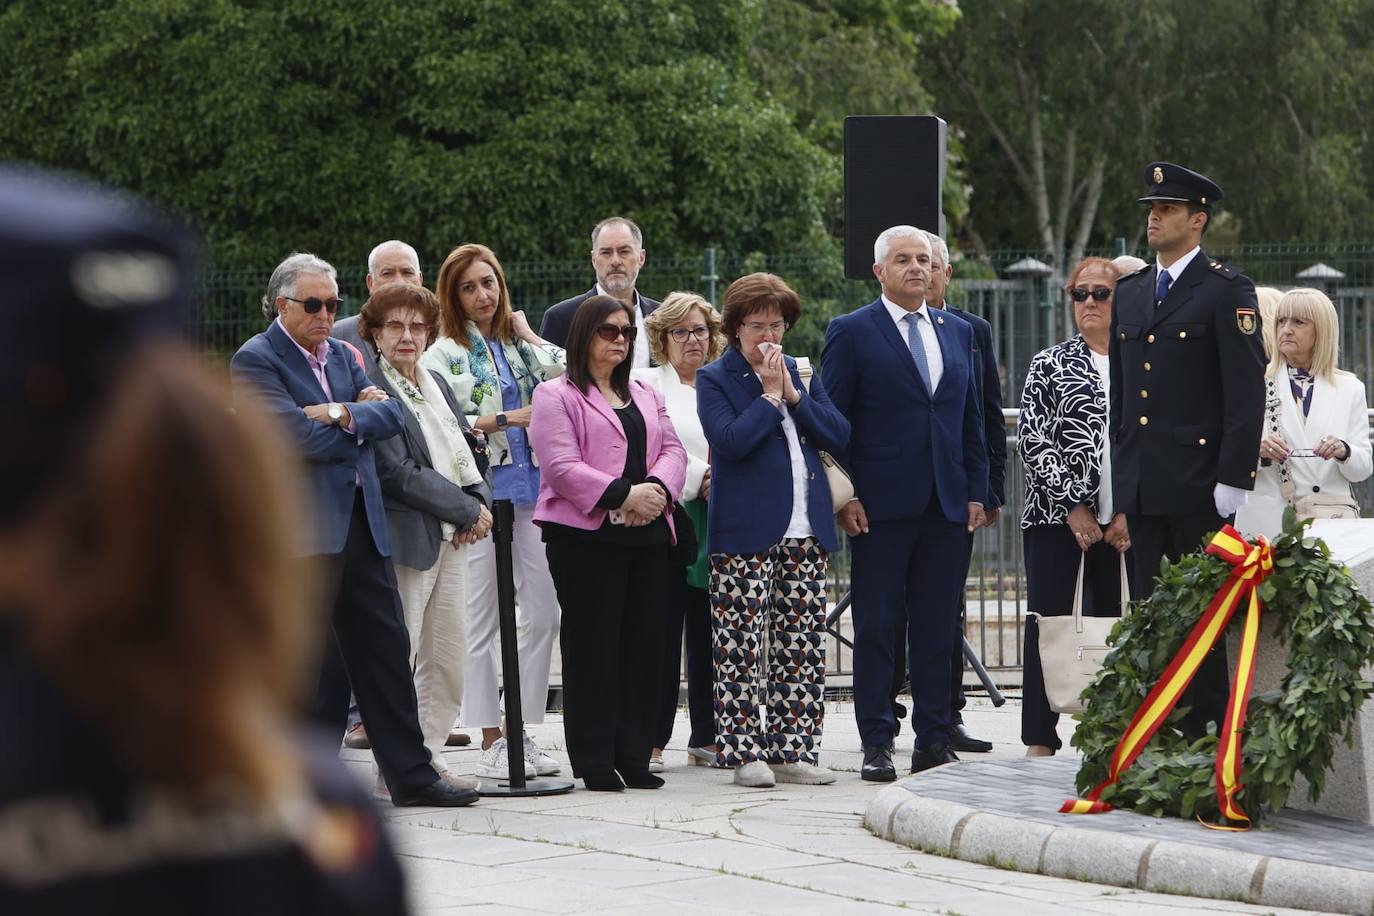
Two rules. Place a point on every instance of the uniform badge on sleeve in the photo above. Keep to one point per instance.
(1245, 320)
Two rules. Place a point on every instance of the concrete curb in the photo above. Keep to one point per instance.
(1086, 854)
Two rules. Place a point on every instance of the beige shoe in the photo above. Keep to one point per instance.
(459, 782)
(755, 774)
(802, 774)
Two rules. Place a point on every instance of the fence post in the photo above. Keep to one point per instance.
(708, 274)
(1118, 246)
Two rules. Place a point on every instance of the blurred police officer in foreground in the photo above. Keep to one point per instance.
(154, 630)
(1187, 397)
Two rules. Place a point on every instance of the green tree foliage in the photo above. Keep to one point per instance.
(329, 125)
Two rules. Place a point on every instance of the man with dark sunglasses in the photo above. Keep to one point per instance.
(1187, 398)
(617, 256)
(330, 411)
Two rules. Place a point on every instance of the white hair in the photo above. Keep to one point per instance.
(288, 274)
(937, 244)
(883, 244)
(393, 243)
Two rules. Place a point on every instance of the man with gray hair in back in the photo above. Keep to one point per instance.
(330, 412)
(392, 261)
(617, 256)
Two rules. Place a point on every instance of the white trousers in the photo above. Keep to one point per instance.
(536, 616)
(434, 600)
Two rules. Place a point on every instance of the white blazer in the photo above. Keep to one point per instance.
(681, 401)
(1339, 410)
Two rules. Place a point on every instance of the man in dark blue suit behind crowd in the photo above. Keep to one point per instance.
(332, 414)
(904, 376)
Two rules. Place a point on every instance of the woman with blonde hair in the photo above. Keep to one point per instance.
(684, 335)
(1268, 299)
(493, 361)
(1316, 426)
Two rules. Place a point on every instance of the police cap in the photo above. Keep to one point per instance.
(1167, 181)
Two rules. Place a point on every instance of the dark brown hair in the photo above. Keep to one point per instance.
(589, 316)
(159, 581)
(454, 324)
(389, 297)
(755, 293)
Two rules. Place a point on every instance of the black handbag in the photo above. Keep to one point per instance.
(684, 552)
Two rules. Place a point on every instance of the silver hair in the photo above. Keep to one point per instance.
(392, 243)
(629, 223)
(883, 244)
(288, 273)
(937, 244)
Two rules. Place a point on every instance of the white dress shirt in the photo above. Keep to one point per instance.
(1104, 487)
(1175, 269)
(681, 402)
(639, 355)
(935, 360)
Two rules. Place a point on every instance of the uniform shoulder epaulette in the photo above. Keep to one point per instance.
(1223, 269)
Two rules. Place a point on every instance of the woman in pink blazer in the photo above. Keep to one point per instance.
(612, 468)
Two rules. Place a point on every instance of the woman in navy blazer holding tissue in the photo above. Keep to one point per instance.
(770, 531)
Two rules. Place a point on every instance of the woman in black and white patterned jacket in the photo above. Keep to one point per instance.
(1068, 514)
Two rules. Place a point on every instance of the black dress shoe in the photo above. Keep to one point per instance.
(438, 794)
(603, 782)
(933, 756)
(877, 764)
(640, 779)
(961, 739)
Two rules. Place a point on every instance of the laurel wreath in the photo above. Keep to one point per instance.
(1328, 628)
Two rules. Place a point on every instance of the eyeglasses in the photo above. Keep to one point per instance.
(758, 327)
(700, 332)
(1099, 293)
(313, 305)
(417, 329)
(610, 332)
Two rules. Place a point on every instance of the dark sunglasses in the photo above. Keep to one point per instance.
(609, 332)
(313, 305)
(1099, 293)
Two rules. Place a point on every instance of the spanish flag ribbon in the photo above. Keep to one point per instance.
(1251, 564)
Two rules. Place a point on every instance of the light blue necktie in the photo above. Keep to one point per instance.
(1162, 288)
(918, 350)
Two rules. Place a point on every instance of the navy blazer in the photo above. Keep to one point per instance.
(751, 468)
(271, 370)
(558, 319)
(907, 444)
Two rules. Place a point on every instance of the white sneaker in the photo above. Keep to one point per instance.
(543, 764)
(460, 782)
(494, 765)
(804, 774)
(755, 774)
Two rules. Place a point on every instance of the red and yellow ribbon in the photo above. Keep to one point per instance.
(1251, 564)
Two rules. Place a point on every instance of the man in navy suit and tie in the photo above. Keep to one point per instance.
(332, 414)
(904, 376)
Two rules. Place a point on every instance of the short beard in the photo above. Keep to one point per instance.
(615, 286)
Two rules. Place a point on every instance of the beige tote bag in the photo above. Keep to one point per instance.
(1073, 647)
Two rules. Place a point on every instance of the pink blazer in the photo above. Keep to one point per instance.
(581, 449)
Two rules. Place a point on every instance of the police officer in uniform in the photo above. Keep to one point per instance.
(1187, 398)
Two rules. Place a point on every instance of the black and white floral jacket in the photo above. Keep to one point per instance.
(1060, 433)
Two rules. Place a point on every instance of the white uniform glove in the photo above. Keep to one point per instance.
(1229, 499)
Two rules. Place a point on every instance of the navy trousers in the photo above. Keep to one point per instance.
(908, 575)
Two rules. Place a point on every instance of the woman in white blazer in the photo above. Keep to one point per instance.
(1316, 427)
(684, 335)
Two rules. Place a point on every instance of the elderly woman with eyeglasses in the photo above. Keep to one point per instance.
(1068, 517)
(770, 533)
(684, 335)
(436, 495)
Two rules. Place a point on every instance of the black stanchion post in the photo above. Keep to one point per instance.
(502, 529)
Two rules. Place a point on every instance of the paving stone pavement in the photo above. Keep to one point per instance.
(703, 845)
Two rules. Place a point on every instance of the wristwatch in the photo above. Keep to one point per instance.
(335, 414)
(501, 421)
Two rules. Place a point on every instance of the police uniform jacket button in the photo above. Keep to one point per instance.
(1150, 339)
(1144, 393)
(1147, 367)
(1144, 421)
(1182, 334)
(1202, 442)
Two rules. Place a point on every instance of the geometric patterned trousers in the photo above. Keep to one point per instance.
(773, 603)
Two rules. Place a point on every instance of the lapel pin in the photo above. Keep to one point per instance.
(940, 319)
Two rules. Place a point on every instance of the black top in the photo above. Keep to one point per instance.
(636, 471)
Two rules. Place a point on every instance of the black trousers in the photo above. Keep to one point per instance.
(689, 622)
(1052, 554)
(615, 603)
(369, 650)
(1172, 536)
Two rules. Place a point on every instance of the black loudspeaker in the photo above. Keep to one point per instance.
(894, 170)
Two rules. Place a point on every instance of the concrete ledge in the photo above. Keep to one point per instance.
(900, 813)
